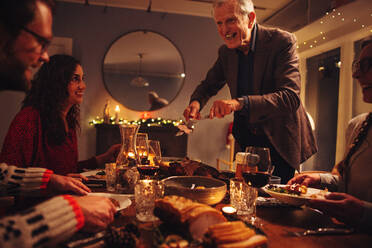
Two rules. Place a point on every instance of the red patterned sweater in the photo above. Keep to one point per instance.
(25, 146)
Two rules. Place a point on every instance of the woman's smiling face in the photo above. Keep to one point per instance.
(76, 87)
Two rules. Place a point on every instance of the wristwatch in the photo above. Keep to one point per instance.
(241, 102)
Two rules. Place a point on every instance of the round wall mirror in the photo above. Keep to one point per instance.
(143, 70)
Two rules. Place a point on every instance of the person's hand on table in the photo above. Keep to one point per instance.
(77, 176)
(109, 156)
(343, 207)
(220, 108)
(309, 180)
(98, 212)
(65, 184)
(192, 111)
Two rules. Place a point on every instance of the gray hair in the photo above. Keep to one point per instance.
(245, 6)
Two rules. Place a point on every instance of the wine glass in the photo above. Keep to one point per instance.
(257, 173)
(145, 168)
(154, 152)
(259, 168)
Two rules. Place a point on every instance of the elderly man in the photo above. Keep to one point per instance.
(260, 66)
(26, 32)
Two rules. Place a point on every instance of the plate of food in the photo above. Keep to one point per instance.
(295, 194)
(95, 174)
(121, 201)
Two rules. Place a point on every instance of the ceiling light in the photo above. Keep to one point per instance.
(139, 81)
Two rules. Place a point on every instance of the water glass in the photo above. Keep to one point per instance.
(110, 170)
(243, 198)
(145, 193)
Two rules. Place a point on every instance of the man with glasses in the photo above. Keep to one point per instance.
(26, 32)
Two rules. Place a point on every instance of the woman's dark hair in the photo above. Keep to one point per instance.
(48, 94)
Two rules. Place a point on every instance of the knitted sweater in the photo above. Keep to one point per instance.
(44, 225)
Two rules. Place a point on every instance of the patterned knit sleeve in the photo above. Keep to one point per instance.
(14, 180)
(44, 225)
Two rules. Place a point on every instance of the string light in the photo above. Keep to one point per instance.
(329, 18)
(160, 122)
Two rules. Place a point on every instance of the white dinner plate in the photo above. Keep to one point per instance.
(296, 200)
(123, 199)
(91, 172)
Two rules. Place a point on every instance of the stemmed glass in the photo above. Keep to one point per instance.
(145, 168)
(154, 152)
(257, 173)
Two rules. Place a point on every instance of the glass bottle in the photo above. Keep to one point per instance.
(127, 173)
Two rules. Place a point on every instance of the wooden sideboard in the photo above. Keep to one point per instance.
(171, 145)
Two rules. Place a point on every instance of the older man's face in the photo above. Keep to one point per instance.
(29, 49)
(233, 27)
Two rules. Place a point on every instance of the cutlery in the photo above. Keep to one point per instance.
(189, 125)
(87, 241)
(322, 231)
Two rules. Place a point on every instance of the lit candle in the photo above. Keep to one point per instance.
(229, 211)
(117, 111)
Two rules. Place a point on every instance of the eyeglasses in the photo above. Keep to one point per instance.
(44, 42)
(364, 65)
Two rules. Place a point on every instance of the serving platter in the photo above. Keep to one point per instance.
(296, 200)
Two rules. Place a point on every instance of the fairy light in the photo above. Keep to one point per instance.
(329, 18)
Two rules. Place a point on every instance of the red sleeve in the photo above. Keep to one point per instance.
(22, 139)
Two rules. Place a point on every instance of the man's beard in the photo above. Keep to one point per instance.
(12, 74)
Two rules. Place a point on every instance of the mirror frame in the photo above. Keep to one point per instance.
(107, 49)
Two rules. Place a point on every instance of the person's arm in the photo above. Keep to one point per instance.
(21, 142)
(100, 160)
(329, 181)
(285, 95)
(14, 180)
(45, 225)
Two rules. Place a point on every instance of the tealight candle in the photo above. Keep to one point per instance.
(229, 211)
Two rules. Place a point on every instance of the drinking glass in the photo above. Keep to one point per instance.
(258, 174)
(142, 148)
(154, 152)
(145, 193)
(110, 171)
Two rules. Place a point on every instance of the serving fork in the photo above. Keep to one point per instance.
(322, 231)
(189, 125)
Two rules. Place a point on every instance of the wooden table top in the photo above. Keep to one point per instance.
(278, 221)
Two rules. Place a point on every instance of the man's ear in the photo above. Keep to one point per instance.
(252, 18)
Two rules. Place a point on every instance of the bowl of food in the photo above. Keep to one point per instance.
(203, 189)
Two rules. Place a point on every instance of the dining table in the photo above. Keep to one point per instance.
(278, 222)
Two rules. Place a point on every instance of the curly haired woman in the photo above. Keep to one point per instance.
(43, 133)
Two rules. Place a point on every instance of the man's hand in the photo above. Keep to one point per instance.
(221, 108)
(63, 184)
(109, 156)
(343, 207)
(309, 180)
(192, 111)
(98, 212)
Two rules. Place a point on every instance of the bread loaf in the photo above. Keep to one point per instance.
(233, 235)
(193, 216)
